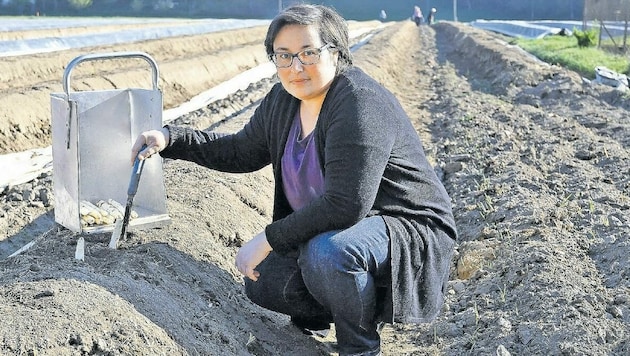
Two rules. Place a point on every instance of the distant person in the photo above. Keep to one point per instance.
(417, 15)
(362, 229)
(383, 15)
(431, 17)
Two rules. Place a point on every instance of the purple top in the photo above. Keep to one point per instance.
(302, 177)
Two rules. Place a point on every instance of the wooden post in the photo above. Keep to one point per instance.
(455, 10)
(584, 13)
(625, 34)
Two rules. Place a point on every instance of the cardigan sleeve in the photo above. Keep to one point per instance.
(247, 150)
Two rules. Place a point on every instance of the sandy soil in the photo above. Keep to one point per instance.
(536, 163)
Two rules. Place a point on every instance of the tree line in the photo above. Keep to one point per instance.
(462, 10)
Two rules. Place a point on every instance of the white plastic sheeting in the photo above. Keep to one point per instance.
(52, 44)
(516, 28)
(611, 78)
(614, 28)
(8, 24)
(541, 28)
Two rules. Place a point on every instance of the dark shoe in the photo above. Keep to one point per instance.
(311, 327)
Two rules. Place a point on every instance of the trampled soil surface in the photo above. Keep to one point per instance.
(536, 162)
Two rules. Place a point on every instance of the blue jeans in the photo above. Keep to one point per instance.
(337, 276)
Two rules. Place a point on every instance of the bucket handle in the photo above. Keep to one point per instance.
(112, 55)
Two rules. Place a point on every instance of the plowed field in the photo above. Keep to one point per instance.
(537, 165)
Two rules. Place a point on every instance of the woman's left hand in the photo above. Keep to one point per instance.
(251, 254)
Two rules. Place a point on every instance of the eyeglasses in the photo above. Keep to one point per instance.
(306, 57)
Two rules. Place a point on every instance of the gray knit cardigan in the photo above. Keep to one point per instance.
(373, 164)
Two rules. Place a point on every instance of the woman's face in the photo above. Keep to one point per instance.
(305, 82)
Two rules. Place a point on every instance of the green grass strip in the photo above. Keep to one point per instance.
(564, 51)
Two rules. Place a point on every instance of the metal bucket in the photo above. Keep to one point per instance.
(92, 134)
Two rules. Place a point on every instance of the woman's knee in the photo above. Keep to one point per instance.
(319, 253)
(324, 258)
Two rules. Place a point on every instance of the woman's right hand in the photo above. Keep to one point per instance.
(155, 140)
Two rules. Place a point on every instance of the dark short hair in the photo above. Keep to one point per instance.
(332, 29)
